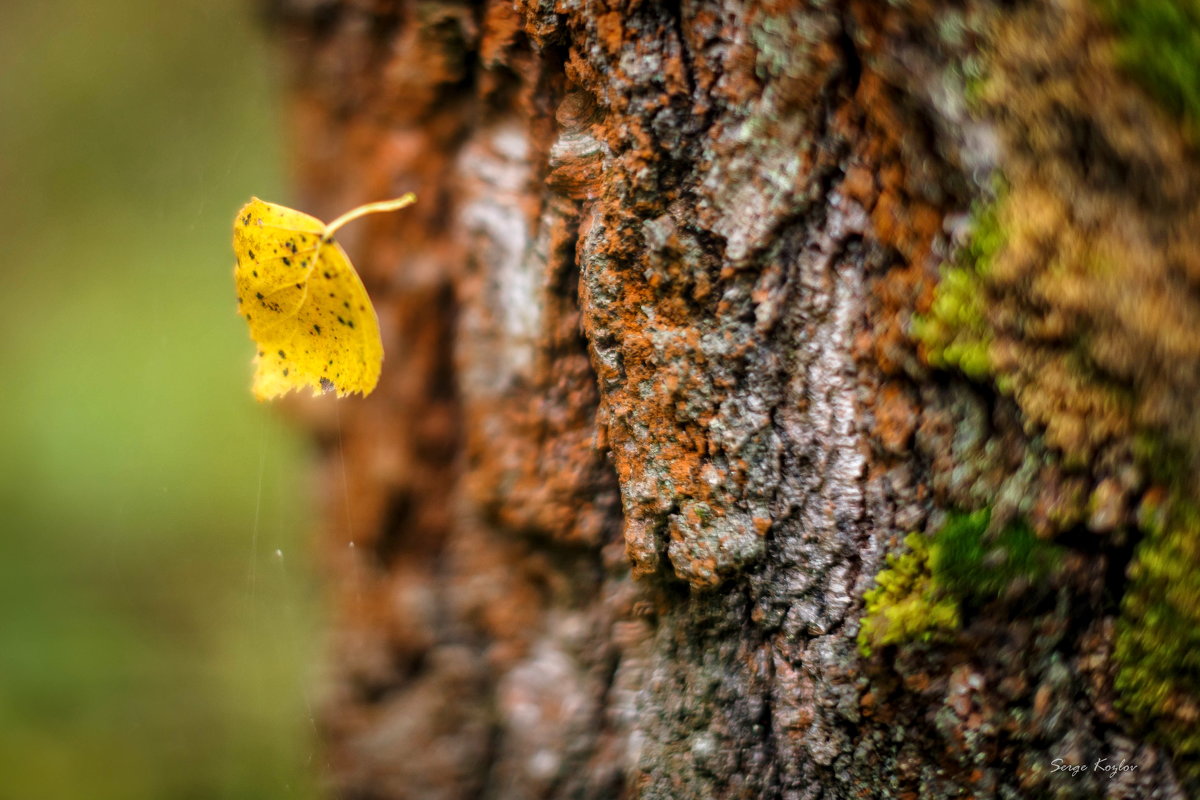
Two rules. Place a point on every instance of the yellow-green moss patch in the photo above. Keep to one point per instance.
(1158, 634)
(920, 593)
(905, 604)
(956, 333)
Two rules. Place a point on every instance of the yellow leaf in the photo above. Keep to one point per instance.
(307, 308)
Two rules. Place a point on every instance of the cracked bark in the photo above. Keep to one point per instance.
(650, 418)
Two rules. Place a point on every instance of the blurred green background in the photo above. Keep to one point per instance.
(153, 643)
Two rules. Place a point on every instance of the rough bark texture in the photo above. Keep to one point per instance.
(672, 370)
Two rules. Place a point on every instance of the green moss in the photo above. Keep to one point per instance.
(1158, 44)
(1158, 635)
(905, 604)
(972, 565)
(955, 332)
(918, 596)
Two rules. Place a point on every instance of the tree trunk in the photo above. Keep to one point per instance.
(704, 308)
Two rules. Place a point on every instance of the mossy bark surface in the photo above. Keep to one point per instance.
(705, 308)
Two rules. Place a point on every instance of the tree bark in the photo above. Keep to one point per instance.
(674, 367)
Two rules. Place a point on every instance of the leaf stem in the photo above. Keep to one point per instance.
(369, 208)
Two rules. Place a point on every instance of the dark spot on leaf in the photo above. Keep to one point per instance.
(287, 262)
(282, 354)
(259, 295)
(285, 372)
(251, 254)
